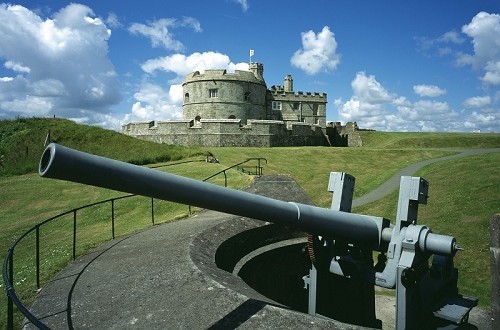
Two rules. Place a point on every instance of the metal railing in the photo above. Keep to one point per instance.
(8, 264)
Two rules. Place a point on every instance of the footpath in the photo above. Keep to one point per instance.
(149, 280)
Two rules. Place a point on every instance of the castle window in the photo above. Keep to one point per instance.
(232, 117)
(296, 106)
(213, 93)
(186, 97)
(247, 96)
(315, 109)
(276, 105)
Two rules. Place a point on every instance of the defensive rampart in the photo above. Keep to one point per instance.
(228, 133)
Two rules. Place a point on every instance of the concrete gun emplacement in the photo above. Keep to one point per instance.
(340, 243)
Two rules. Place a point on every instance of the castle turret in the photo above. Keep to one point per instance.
(288, 83)
(258, 70)
(218, 94)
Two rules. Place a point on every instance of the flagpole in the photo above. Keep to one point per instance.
(250, 60)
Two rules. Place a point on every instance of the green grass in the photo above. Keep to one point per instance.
(463, 197)
(311, 166)
(22, 143)
(374, 139)
(464, 190)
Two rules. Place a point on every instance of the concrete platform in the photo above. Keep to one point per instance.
(166, 277)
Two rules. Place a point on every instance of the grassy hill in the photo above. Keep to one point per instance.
(374, 139)
(463, 191)
(22, 142)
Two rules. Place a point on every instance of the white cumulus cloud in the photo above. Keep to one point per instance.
(369, 90)
(373, 106)
(59, 65)
(153, 102)
(16, 67)
(428, 90)
(181, 64)
(484, 121)
(492, 73)
(367, 105)
(318, 52)
(160, 34)
(484, 30)
(477, 102)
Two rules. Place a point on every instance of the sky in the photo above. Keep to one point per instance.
(388, 65)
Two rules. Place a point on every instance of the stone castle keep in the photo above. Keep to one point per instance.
(222, 109)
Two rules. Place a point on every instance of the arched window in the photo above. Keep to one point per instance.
(197, 119)
(231, 117)
(186, 97)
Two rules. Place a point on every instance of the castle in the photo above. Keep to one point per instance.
(237, 109)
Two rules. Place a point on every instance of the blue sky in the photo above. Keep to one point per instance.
(388, 65)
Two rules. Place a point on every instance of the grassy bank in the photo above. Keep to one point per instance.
(373, 139)
(22, 142)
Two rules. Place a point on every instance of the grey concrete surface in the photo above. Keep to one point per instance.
(165, 278)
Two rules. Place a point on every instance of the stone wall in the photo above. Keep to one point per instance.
(228, 133)
(306, 107)
(344, 135)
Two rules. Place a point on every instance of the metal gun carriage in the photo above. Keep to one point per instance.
(340, 242)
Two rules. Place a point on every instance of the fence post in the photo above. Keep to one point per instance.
(225, 179)
(10, 303)
(37, 247)
(74, 234)
(495, 269)
(113, 218)
(152, 211)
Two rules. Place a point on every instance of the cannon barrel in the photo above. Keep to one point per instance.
(64, 163)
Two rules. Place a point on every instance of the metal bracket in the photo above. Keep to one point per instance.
(342, 186)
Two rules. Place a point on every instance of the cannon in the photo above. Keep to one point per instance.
(340, 243)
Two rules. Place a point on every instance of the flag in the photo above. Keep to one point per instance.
(252, 52)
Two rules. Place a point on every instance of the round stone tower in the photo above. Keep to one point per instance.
(217, 94)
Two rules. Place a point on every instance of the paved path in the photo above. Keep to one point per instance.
(165, 278)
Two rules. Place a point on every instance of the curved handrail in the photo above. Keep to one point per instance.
(259, 168)
(11, 293)
(8, 263)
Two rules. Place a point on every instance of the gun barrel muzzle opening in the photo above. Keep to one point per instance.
(46, 159)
